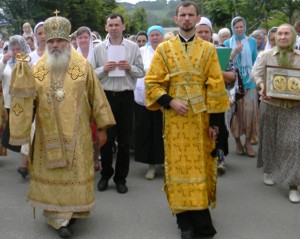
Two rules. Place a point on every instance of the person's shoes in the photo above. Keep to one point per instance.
(72, 221)
(188, 234)
(294, 196)
(150, 172)
(206, 234)
(197, 236)
(221, 168)
(121, 188)
(240, 150)
(253, 141)
(268, 180)
(102, 184)
(65, 232)
(23, 171)
(249, 151)
(239, 147)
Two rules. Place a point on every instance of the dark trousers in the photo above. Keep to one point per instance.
(122, 105)
(198, 221)
(149, 144)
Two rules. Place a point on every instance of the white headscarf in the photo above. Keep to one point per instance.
(90, 56)
(272, 30)
(34, 33)
(17, 40)
(204, 21)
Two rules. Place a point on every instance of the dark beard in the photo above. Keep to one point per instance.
(187, 29)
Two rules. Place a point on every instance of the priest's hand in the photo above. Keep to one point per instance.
(179, 106)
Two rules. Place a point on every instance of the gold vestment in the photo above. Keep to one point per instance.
(61, 165)
(190, 72)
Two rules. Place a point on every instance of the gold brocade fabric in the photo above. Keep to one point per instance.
(57, 27)
(22, 91)
(61, 166)
(194, 76)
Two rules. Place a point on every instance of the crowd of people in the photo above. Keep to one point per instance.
(81, 99)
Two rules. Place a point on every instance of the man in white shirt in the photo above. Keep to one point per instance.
(119, 92)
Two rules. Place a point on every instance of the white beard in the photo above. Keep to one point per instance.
(58, 62)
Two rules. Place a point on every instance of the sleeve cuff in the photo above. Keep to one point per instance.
(165, 101)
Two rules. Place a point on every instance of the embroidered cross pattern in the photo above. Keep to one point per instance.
(17, 109)
(75, 72)
(41, 73)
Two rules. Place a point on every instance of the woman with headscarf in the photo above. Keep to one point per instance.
(203, 29)
(17, 44)
(85, 47)
(243, 55)
(40, 47)
(85, 43)
(260, 40)
(39, 43)
(271, 38)
(149, 146)
(279, 147)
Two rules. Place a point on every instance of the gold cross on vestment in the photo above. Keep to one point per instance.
(75, 72)
(17, 109)
(41, 73)
(56, 12)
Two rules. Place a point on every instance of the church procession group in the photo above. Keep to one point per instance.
(72, 103)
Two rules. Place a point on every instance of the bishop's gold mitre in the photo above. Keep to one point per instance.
(57, 27)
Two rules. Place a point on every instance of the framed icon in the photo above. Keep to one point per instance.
(282, 82)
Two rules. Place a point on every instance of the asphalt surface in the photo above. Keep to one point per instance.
(246, 208)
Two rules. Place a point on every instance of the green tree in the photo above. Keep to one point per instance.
(219, 12)
(18, 12)
(122, 11)
(152, 19)
(138, 20)
(200, 4)
(290, 8)
(90, 13)
(258, 13)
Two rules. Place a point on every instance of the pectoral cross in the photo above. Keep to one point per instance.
(56, 12)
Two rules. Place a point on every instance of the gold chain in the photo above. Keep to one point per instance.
(56, 89)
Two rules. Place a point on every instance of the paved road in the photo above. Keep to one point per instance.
(246, 208)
